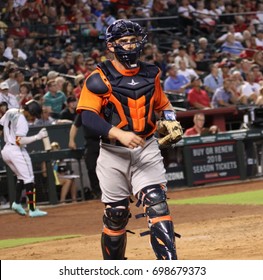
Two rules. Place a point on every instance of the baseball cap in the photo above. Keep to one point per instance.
(52, 75)
(4, 85)
(71, 99)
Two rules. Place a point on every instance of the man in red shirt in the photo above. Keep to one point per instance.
(197, 97)
(198, 128)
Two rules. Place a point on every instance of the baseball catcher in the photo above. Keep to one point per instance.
(120, 101)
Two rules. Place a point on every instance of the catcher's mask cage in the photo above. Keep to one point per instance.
(34, 108)
(121, 28)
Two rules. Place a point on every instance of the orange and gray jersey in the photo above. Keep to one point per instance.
(126, 99)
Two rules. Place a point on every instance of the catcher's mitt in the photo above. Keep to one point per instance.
(170, 130)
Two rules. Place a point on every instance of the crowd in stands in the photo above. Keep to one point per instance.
(213, 55)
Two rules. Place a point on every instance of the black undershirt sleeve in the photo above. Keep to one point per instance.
(95, 123)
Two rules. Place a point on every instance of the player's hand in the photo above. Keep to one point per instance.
(42, 134)
(127, 138)
(72, 145)
(131, 140)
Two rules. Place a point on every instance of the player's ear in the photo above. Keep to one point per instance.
(110, 47)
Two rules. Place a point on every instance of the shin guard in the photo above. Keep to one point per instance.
(160, 222)
(114, 236)
(163, 238)
(113, 244)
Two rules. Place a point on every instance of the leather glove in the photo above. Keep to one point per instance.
(170, 130)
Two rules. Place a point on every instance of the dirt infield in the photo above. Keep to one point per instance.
(208, 231)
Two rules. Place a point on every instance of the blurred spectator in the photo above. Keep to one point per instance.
(208, 49)
(259, 100)
(214, 80)
(24, 94)
(231, 46)
(62, 28)
(45, 28)
(52, 75)
(182, 55)
(240, 25)
(174, 83)
(249, 90)
(198, 128)
(37, 86)
(257, 73)
(16, 30)
(2, 50)
(258, 58)
(60, 82)
(185, 12)
(10, 72)
(53, 58)
(64, 179)
(237, 82)
(19, 61)
(67, 88)
(45, 119)
(69, 113)
(31, 12)
(188, 73)
(225, 66)
(139, 13)
(19, 78)
(121, 14)
(10, 44)
(230, 29)
(259, 38)
(227, 16)
(90, 64)
(54, 99)
(204, 18)
(197, 97)
(190, 50)
(104, 20)
(202, 65)
(6, 96)
(79, 64)
(38, 59)
(67, 66)
(224, 96)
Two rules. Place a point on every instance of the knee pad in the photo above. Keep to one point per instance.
(153, 199)
(116, 215)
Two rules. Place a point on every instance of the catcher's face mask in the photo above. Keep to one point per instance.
(127, 39)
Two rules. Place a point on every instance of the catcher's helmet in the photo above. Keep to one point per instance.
(121, 28)
(34, 108)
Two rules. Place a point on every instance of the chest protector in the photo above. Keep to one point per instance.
(131, 103)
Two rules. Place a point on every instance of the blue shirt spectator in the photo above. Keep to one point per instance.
(224, 96)
(174, 82)
(231, 46)
(214, 80)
